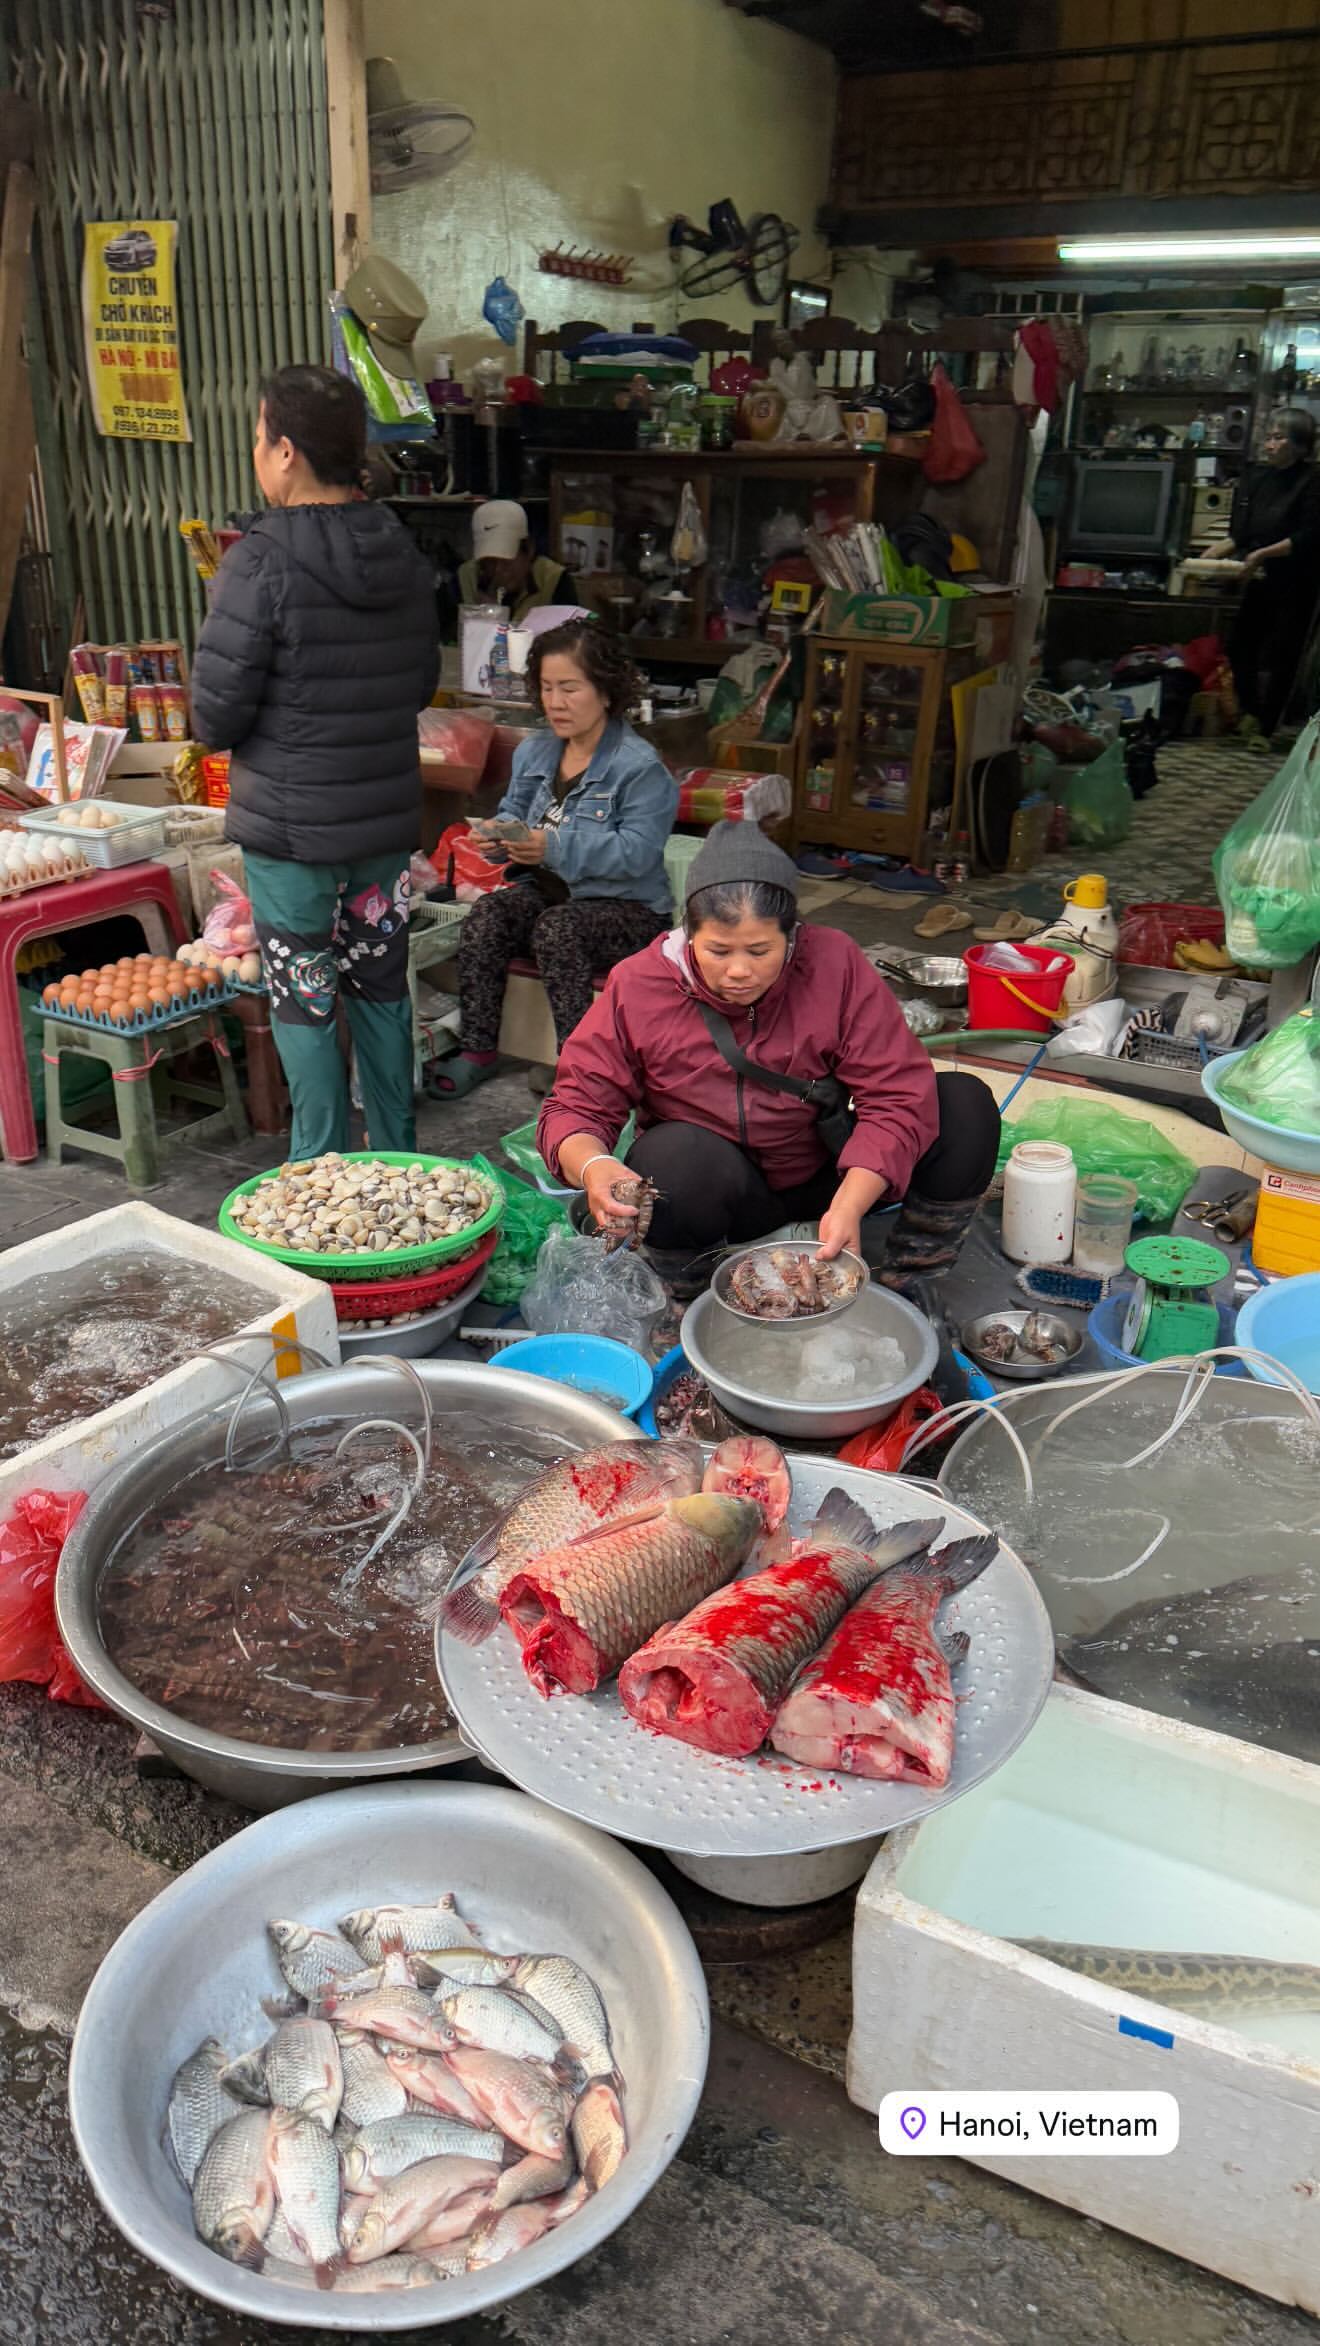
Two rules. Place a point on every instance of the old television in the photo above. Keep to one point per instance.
(1122, 509)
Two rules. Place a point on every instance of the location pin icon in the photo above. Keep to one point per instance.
(912, 2120)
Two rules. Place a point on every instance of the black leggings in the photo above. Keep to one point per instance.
(711, 1190)
(1267, 641)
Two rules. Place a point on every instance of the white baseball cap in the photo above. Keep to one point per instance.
(498, 529)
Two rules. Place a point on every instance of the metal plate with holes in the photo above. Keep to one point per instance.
(583, 1754)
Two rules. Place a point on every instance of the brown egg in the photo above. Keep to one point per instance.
(159, 997)
(125, 961)
(89, 977)
(102, 996)
(50, 993)
(120, 1014)
(109, 970)
(143, 960)
(138, 999)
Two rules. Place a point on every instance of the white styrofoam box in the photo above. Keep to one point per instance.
(1112, 1826)
(76, 1458)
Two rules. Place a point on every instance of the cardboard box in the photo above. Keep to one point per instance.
(986, 621)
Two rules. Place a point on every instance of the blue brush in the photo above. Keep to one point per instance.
(1048, 1283)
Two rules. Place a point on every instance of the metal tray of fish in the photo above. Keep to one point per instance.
(583, 1754)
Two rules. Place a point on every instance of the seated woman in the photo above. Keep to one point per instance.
(595, 806)
(716, 1036)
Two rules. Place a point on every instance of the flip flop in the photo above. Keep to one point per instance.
(1010, 928)
(453, 1079)
(940, 920)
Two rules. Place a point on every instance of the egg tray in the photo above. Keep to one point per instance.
(9, 888)
(397, 1262)
(142, 1021)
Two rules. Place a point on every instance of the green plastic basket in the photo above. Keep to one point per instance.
(393, 1260)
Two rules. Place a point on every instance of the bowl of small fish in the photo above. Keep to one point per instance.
(389, 2058)
(254, 1590)
(1023, 1345)
(815, 1382)
(789, 1280)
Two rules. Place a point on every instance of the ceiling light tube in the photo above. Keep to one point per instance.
(1116, 251)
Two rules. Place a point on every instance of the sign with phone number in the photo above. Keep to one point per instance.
(131, 329)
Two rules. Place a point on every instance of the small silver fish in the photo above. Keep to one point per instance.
(600, 2136)
(419, 1930)
(517, 2097)
(234, 2190)
(407, 2208)
(305, 2166)
(532, 2177)
(199, 2105)
(370, 2091)
(303, 2070)
(463, 1967)
(502, 2235)
(281, 2247)
(565, 1991)
(245, 2078)
(406, 2016)
(498, 2024)
(310, 1959)
(404, 2271)
(386, 2148)
(428, 2079)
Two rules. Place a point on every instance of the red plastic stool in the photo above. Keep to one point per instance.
(145, 890)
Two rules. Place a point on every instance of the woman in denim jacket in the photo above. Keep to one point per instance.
(583, 823)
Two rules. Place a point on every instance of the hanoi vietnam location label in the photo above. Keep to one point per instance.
(1029, 2125)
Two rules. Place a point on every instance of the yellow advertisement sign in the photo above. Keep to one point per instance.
(131, 329)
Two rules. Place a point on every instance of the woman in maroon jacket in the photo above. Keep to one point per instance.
(724, 1037)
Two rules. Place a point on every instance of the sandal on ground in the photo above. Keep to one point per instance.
(1010, 928)
(940, 920)
(453, 1079)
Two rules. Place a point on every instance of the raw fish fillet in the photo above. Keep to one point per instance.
(716, 1679)
(877, 1700)
(580, 1610)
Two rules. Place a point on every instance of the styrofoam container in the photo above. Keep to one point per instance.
(138, 834)
(76, 1458)
(1111, 1826)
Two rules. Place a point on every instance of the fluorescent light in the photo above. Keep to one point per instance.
(1094, 251)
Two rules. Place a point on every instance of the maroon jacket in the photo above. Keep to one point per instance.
(643, 1045)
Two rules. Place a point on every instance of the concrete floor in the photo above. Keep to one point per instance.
(780, 2215)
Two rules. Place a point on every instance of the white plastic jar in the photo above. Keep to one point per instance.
(1040, 1194)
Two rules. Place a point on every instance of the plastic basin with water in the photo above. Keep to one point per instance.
(1284, 1320)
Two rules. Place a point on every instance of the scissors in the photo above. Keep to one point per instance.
(1228, 1217)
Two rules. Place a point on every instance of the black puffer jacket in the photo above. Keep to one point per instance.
(319, 649)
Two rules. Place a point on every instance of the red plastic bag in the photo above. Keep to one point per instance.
(1147, 933)
(463, 867)
(954, 449)
(229, 926)
(30, 1647)
(459, 740)
(881, 1447)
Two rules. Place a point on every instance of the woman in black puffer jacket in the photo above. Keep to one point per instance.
(319, 649)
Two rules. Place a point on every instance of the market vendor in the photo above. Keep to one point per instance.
(504, 568)
(1275, 529)
(318, 651)
(714, 1037)
(595, 806)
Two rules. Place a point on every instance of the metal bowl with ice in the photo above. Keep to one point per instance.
(195, 1962)
(816, 1382)
(264, 1775)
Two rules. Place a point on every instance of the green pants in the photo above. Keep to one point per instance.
(327, 929)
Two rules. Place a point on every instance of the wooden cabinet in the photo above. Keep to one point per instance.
(612, 517)
(877, 751)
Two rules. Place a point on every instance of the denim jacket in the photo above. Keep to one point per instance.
(608, 837)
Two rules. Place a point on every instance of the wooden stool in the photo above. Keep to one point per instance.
(145, 1089)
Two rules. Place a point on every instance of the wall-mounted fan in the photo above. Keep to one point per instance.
(410, 140)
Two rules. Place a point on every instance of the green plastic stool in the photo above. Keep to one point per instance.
(146, 1093)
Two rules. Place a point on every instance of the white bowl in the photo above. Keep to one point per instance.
(195, 1962)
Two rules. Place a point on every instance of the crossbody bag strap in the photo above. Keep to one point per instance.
(721, 1034)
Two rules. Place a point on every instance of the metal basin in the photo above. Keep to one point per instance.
(1065, 1333)
(941, 977)
(197, 1959)
(710, 1333)
(722, 1287)
(259, 1775)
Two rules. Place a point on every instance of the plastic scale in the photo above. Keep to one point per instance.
(1172, 1310)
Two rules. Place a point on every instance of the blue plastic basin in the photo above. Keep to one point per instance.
(1283, 1319)
(1106, 1329)
(591, 1364)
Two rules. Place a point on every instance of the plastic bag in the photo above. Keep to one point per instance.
(521, 1150)
(457, 737)
(1104, 1140)
(1278, 1078)
(463, 867)
(229, 926)
(954, 449)
(30, 1544)
(1267, 867)
(529, 1217)
(579, 1288)
(502, 309)
(1099, 801)
(881, 1447)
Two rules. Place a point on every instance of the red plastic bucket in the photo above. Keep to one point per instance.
(1026, 1001)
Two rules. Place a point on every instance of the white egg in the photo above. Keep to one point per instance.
(249, 969)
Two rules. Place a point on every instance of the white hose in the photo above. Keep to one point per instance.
(393, 1360)
(409, 1499)
(964, 1409)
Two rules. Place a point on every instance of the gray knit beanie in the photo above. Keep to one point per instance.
(737, 853)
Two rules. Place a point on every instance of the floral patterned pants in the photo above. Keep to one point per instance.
(568, 942)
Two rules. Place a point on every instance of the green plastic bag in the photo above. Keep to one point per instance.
(528, 1217)
(1278, 1079)
(1099, 801)
(1267, 866)
(1104, 1140)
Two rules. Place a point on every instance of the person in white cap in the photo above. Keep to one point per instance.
(504, 568)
